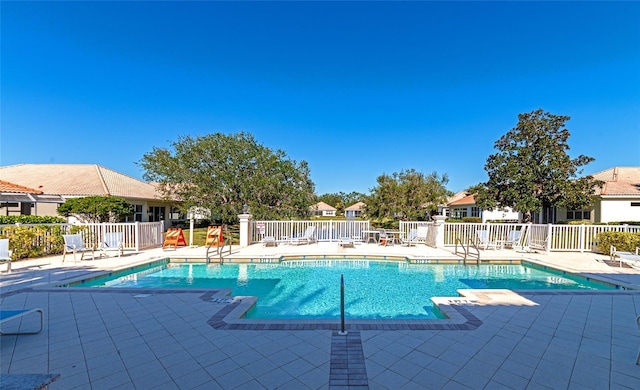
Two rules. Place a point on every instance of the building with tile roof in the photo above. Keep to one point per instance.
(321, 209)
(354, 211)
(78, 180)
(617, 200)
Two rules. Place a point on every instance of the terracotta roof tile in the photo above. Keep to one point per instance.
(8, 187)
(463, 201)
(356, 206)
(619, 181)
(77, 180)
(321, 206)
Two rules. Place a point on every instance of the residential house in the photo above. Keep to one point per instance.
(354, 211)
(322, 209)
(58, 182)
(617, 200)
(19, 200)
(463, 205)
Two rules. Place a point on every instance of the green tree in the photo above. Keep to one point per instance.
(407, 195)
(95, 209)
(532, 171)
(224, 172)
(341, 200)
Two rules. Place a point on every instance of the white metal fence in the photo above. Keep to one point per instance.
(549, 237)
(324, 230)
(136, 235)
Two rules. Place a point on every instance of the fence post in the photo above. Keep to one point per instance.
(581, 238)
(136, 236)
(245, 234)
(549, 235)
(438, 221)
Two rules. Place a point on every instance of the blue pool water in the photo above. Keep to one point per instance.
(373, 290)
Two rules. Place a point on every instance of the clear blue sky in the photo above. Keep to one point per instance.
(356, 89)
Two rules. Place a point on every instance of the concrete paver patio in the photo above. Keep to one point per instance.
(105, 338)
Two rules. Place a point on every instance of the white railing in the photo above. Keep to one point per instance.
(549, 237)
(136, 235)
(325, 230)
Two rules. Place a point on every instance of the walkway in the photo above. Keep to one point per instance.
(127, 339)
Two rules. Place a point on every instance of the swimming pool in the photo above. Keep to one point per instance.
(373, 289)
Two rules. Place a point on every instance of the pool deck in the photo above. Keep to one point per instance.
(98, 339)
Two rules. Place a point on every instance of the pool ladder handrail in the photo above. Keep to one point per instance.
(466, 251)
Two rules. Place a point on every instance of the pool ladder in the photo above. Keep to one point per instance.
(466, 251)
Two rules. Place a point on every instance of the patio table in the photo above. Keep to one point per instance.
(371, 236)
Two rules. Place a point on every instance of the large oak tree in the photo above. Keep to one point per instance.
(224, 172)
(532, 170)
(407, 195)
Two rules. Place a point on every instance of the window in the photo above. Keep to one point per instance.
(578, 215)
(475, 211)
(137, 214)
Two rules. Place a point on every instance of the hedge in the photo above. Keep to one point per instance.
(623, 241)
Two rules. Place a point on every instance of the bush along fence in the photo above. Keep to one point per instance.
(36, 240)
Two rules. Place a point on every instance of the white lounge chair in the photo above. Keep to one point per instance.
(8, 315)
(410, 239)
(513, 240)
(5, 253)
(346, 242)
(306, 238)
(269, 241)
(484, 240)
(629, 258)
(73, 243)
(112, 242)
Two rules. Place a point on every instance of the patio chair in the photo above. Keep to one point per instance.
(112, 242)
(386, 238)
(306, 238)
(629, 258)
(411, 239)
(269, 241)
(5, 253)
(421, 234)
(513, 240)
(8, 315)
(346, 242)
(483, 240)
(73, 243)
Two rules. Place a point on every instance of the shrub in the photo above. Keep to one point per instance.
(472, 219)
(29, 219)
(623, 241)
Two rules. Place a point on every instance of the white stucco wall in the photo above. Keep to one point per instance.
(505, 214)
(613, 210)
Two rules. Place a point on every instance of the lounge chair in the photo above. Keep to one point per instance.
(269, 241)
(112, 242)
(8, 315)
(411, 239)
(306, 238)
(346, 242)
(421, 234)
(513, 240)
(5, 253)
(484, 240)
(73, 243)
(629, 258)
